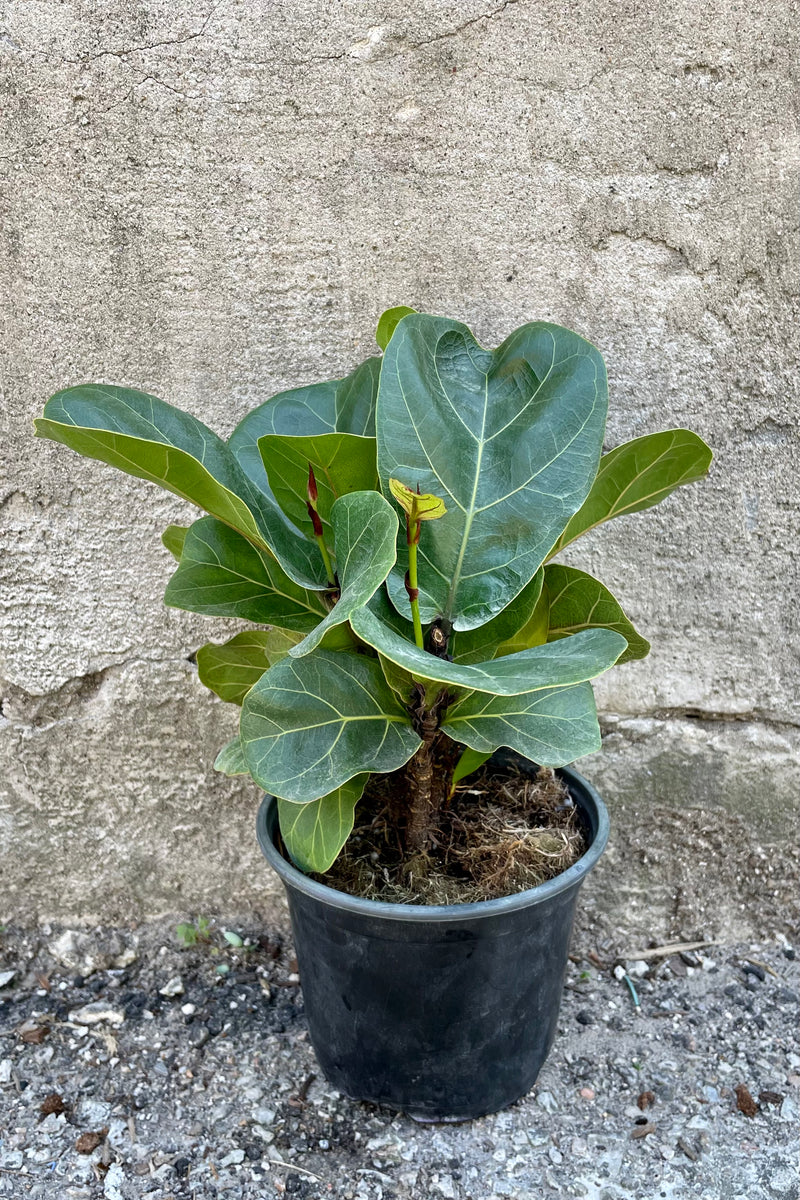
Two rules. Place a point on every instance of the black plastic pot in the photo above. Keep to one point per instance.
(446, 1012)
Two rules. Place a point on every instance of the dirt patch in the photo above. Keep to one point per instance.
(503, 832)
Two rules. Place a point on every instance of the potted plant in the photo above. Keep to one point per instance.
(391, 535)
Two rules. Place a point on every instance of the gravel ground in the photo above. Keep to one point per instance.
(131, 1066)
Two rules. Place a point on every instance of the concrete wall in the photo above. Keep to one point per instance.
(215, 201)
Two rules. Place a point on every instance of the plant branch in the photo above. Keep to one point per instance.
(412, 585)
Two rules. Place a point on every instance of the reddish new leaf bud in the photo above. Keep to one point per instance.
(315, 521)
(312, 489)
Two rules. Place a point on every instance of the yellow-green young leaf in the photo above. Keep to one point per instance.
(230, 760)
(173, 538)
(418, 507)
(365, 543)
(342, 462)
(152, 440)
(222, 575)
(559, 664)
(389, 322)
(638, 475)
(231, 669)
(314, 833)
(470, 761)
(510, 439)
(552, 727)
(578, 601)
(311, 724)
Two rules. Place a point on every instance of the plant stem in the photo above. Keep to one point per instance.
(415, 600)
(326, 558)
(412, 587)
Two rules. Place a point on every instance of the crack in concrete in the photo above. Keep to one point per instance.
(405, 47)
(711, 716)
(191, 37)
(36, 711)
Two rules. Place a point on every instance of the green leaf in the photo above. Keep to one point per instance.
(551, 727)
(365, 542)
(145, 437)
(470, 761)
(510, 439)
(638, 475)
(389, 322)
(221, 574)
(230, 760)
(230, 669)
(342, 462)
(558, 664)
(355, 397)
(314, 833)
(173, 538)
(336, 406)
(311, 724)
(510, 625)
(534, 631)
(233, 939)
(578, 601)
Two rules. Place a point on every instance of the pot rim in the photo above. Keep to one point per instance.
(266, 821)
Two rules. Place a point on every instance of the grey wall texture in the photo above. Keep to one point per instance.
(213, 202)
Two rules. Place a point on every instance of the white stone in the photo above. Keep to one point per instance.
(94, 1013)
(173, 987)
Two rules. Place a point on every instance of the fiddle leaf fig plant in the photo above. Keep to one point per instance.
(390, 537)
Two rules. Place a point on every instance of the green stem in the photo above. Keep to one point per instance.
(326, 558)
(414, 590)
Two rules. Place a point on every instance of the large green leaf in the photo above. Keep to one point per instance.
(365, 542)
(638, 475)
(314, 833)
(552, 727)
(336, 406)
(152, 440)
(223, 575)
(579, 601)
(534, 631)
(231, 669)
(311, 724)
(489, 640)
(355, 398)
(342, 462)
(510, 439)
(559, 664)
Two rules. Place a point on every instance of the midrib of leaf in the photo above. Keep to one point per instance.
(470, 514)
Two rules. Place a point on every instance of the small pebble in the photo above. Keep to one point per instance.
(173, 987)
(587, 1093)
(638, 968)
(93, 1014)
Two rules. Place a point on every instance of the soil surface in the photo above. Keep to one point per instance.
(133, 1067)
(503, 832)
